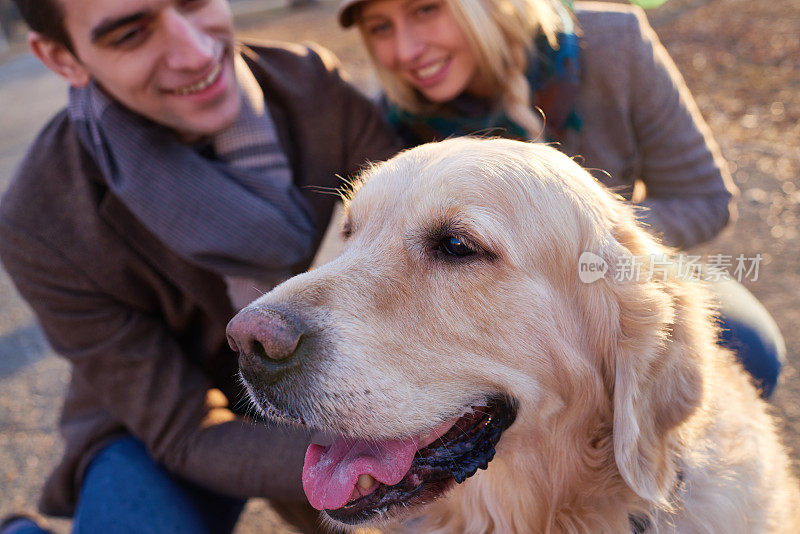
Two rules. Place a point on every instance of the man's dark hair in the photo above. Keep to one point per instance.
(47, 18)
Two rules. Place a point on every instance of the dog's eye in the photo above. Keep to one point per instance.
(455, 246)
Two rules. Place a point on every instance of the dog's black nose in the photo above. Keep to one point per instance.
(264, 334)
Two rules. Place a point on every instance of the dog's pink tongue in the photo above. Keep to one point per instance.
(330, 473)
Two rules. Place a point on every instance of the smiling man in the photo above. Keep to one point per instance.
(179, 181)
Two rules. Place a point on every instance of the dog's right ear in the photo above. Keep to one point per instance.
(650, 362)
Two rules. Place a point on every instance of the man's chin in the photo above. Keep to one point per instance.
(208, 124)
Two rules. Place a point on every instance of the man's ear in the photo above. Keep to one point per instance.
(58, 59)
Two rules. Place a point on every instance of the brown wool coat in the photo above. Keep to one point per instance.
(640, 122)
(144, 329)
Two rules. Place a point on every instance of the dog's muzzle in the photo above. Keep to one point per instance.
(267, 341)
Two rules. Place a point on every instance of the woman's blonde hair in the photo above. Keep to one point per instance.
(501, 34)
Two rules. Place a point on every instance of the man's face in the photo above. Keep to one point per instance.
(169, 60)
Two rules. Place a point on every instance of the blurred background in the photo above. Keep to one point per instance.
(740, 58)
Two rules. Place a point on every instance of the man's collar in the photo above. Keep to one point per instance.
(248, 84)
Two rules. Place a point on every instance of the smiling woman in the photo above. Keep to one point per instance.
(398, 33)
(428, 52)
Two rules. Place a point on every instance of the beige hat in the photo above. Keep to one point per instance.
(346, 18)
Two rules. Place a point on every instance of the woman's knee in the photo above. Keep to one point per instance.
(125, 490)
(761, 353)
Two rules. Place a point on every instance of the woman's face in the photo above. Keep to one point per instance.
(421, 42)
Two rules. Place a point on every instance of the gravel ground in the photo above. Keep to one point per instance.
(741, 59)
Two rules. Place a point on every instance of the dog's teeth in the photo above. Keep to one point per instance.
(365, 481)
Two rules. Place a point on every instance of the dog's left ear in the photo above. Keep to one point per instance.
(651, 361)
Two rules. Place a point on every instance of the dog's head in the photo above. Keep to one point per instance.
(458, 312)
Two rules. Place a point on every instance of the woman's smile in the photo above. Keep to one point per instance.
(421, 41)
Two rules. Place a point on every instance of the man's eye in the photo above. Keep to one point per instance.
(129, 37)
(455, 246)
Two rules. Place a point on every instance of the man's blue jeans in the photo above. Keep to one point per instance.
(124, 490)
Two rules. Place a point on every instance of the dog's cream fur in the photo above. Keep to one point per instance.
(622, 389)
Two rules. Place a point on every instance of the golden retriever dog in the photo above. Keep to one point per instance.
(465, 375)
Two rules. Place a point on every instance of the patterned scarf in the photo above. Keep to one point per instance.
(237, 214)
(553, 77)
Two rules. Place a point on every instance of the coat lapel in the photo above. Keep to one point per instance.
(204, 287)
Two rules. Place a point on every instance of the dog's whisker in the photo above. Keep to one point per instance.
(242, 405)
(258, 290)
(333, 193)
(322, 188)
(373, 448)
